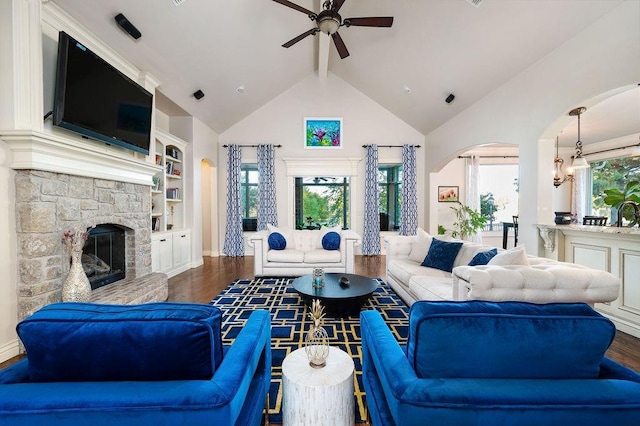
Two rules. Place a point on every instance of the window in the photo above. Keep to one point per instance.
(249, 196)
(322, 201)
(390, 194)
(498, 185)
(608, 174)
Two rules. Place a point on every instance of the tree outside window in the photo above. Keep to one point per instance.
(322, 201)
(249, 196)
(390, 196)
(498, 194)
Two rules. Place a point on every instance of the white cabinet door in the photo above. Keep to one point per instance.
(181, 248)
(166, 253)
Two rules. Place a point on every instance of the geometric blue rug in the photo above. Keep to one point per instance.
(289, 322)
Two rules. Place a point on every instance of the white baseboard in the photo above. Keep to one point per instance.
(9, 350)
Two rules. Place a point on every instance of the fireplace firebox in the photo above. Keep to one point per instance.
(103, 256)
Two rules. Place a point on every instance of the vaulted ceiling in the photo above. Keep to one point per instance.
(434, 48)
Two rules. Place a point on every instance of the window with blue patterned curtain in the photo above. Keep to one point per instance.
(233, 239)
(371, 228)
(409, 207)
(267, 206)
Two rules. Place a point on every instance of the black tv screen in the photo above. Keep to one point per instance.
(98, 101)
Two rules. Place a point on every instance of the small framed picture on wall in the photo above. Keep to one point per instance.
(448, 194)
(322, 132)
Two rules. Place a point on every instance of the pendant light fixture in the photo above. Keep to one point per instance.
(558, 175)
(579, 162)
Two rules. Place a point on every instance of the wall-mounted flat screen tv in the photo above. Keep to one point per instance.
(96, 100)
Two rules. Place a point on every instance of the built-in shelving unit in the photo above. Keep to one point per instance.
(167, 191)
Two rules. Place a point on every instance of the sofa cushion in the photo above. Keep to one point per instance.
(285, 256)
(514, 256)
(483, 257)
(322, 256)
(442, 254)
(431, 288)
(507, 340)
(420, 246)
(92, 342)
(277, 241)
(331, 241)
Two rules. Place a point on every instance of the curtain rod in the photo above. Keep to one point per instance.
(490, 156)
(612, 149)
(390, 146)
(251, 146)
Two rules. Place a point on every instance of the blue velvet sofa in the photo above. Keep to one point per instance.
(152, 364)
(504, 363)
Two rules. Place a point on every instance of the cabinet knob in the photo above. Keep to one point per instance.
(163, 240)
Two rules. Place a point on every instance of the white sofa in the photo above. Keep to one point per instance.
(303, 253)
(536, 280)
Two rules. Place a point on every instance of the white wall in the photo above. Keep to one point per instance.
(281, 122)
(602, 57)
(453, 174)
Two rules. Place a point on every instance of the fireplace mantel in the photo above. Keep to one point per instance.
(48, 151)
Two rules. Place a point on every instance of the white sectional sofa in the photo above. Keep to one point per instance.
(303, 253)
(515, 277)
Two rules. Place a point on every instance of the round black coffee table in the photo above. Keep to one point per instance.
(338, 300)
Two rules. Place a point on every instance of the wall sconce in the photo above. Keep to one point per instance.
(579, 162)
(559, 177)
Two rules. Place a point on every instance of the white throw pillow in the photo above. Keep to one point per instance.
(420, 246)
(324, 230)
(514, 256)
(287, 234)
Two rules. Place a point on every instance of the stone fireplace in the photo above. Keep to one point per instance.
(49, 203)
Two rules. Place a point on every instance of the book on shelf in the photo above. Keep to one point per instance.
(173, 193)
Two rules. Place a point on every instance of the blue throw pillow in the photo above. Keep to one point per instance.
(331, 241)
(277, 241)
(483, 257)
(442, 254)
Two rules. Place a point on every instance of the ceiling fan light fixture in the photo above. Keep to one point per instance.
(328, 23)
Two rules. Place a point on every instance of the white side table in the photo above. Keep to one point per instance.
(318, 396)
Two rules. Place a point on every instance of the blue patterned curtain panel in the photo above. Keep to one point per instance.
(371, 232)
(233, 239)
(267, 208)
(409, 207)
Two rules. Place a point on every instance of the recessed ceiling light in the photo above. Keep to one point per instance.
(240, 89)
(406, 89)
(178, 2)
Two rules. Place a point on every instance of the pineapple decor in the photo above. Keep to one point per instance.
(317, 339)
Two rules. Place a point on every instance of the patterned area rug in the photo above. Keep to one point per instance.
(289, 322)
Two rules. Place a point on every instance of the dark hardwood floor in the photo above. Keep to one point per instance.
(202, 284)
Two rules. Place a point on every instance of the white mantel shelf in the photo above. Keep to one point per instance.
(51, 152)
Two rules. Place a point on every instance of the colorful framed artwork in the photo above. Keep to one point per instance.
(448, 194)
(322, 132)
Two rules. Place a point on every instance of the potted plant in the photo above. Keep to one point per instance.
(468, 221)
(615, 197)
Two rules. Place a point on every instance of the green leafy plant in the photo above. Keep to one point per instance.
(441, 230)
(615, 197)
(468, 221)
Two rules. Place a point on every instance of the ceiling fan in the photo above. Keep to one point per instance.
(329, 21)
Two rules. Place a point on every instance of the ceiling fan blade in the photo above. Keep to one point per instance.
(300, 37)
(342, 49)
(380, 21)
(295, 6)
(337, 4)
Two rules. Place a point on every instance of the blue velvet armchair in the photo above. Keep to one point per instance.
(505, 363)
(152, 364)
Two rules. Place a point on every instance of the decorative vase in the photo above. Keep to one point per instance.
(317, 339)
(76, 287)
(318, 278)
